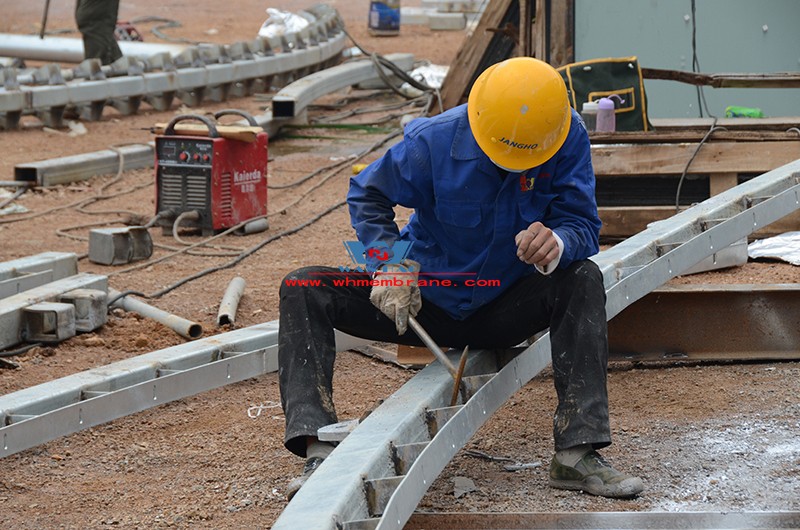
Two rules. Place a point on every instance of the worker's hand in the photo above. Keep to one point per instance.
(396, 293)
(536, 245)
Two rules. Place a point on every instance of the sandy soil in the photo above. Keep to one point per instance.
(703, 436)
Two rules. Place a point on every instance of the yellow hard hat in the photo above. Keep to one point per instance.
(519, 112)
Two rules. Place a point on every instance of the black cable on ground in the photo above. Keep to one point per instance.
(164, 24)
(19, 351)
(248, 252)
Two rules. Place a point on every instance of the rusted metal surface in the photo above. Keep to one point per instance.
(710, 322)
(602, 520)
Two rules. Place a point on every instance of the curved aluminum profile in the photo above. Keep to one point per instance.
(359, 482)
(291, 56)
(292, 99)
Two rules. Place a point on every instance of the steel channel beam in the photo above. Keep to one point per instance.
(41, 413)
(26, 273)
(753, 322)
(11, 308)
(295, 97)
(630, 270)
(70, 50)
(604, 520)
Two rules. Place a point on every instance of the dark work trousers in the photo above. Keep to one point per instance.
(571, 302)
(96, 21)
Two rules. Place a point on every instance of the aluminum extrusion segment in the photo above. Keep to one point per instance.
(647, 260)
(366, 453)
(26, 273)
(293, 98)
(605, 520)
(105, 393)
(12, 308)
(296, 57)
(70, 50)
(460, 428)
(81, 167)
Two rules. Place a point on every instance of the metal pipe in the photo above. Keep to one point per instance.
(429, 342)
(181, 326)
(230, 302)
(70, 50)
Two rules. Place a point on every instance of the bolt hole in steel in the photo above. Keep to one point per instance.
(5, 442)
(228, 371)
(155, 397)
(80, 416)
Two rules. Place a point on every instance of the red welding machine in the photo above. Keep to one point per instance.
(223, 179)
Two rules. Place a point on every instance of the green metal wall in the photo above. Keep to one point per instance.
(741, 36)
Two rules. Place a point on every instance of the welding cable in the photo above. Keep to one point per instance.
(164, 24)
(691, 159)
(368, 110)
(19, 351)
(195, 215)
(338, 170)
(123, 294)
(247, 252)
(17, 194)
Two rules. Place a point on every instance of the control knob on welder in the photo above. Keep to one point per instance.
(184, 156)
(196, 157)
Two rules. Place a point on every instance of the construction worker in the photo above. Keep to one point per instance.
(504, 208)
(96, 21)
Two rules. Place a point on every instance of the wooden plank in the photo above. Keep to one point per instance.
(562, 42)
(719, 182)
(625, 221)
(232, 132)
(777, 123)
(674, 135)
(713, 157)
(745, 80)
(464, 68)
(710, 322)
(414, 355)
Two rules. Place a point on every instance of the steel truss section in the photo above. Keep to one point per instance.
(376, 477)
(48, 411)
(196, 74)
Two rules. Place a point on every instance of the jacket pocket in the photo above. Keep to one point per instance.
(462, 225)
(535, 207)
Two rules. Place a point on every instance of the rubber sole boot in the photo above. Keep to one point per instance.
(594, 475)
(308, 469)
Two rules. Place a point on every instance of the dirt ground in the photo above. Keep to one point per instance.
(703, 436)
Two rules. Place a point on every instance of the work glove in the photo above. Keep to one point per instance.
(396, 293)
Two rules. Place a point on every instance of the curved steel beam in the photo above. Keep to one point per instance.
(376, 480)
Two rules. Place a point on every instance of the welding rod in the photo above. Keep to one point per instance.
(437, 351)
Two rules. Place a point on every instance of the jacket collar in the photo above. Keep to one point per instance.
(466, 148)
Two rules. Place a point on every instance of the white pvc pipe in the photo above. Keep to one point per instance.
(70, 50)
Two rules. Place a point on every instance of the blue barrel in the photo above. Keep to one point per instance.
(384, 18)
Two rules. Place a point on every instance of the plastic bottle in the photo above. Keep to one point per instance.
(589, 115)
(606, 119)
(384, 18)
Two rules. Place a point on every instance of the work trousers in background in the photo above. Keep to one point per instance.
(571, 302)
(96, 20)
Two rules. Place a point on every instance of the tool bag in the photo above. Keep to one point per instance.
(598, 78)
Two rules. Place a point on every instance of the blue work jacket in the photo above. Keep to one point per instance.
(467, 211)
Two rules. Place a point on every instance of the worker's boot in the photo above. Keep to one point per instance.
(294, 486)
(594, 475)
